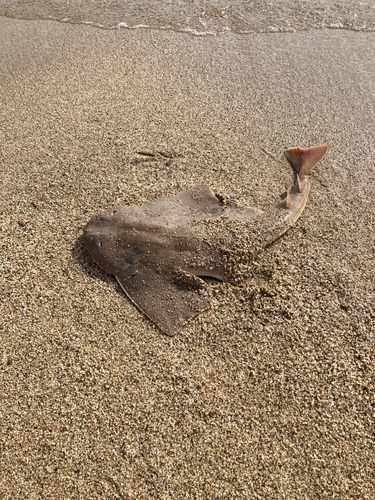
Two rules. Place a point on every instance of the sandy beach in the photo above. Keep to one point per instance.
(269, 394)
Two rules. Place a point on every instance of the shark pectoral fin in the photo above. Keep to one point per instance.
(168, 297)
(303, 160)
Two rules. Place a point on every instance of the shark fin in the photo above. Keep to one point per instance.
(303, 160)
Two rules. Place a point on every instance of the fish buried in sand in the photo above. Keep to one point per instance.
(158, 251)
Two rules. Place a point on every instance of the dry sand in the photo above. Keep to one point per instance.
(270, 393)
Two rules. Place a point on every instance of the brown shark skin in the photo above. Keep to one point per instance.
(158, 251)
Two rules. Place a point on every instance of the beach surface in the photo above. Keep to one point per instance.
(268, 394)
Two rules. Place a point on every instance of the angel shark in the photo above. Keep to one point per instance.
(158, 251)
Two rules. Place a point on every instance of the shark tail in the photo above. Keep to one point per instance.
(303, 160)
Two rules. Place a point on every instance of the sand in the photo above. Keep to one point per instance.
(270, 393)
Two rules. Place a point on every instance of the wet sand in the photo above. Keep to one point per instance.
(268, 394)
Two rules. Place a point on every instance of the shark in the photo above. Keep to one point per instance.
(161, 251)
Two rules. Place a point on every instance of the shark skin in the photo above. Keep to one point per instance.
(158, 251)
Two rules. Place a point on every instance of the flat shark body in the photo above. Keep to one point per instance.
(158, 251)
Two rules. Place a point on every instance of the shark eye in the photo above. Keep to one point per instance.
(101, 244)
(114, 212)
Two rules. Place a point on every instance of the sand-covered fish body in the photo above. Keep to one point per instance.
(158, 251)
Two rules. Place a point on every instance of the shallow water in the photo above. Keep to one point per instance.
(202, 17)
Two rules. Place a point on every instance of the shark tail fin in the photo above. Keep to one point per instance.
(303, 160)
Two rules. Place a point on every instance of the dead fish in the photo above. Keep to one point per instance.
(158, 251)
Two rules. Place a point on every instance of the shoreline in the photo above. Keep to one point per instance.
(266, 394)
